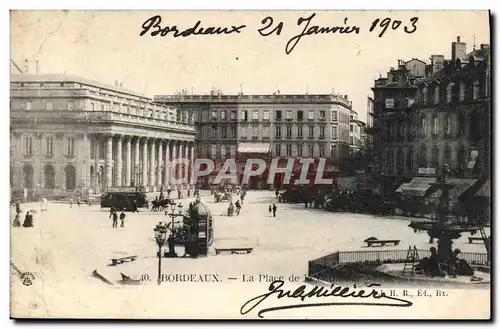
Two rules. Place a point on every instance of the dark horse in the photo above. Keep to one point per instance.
(160, 205)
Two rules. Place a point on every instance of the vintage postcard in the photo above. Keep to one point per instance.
(250, 164)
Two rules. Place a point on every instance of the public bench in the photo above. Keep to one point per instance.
(233, 250)
(472, 239)
(116, 261)
(382, 243)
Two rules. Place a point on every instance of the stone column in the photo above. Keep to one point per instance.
(97, 188)
(181, 155)
(144, 168)
(128, 161)
(174, 156)
(191, 161)
(136, 161)
(109, 160)
(152, 166)
(119, 162)
(160, 163)
(166, 169)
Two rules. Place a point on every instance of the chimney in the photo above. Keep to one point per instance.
(26, 67)
(37, 67)
(458, 50)
(121, 84)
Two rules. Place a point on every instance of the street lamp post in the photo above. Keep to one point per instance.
(160, 236)
(171, 250)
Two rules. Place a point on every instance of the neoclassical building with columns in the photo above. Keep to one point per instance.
(74, 136)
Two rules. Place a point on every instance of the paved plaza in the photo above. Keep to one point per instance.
(67, 244)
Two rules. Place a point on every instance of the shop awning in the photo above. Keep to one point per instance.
(254, 147)
(418, 186)
(346, 183)
(484, 191)
(460, 186)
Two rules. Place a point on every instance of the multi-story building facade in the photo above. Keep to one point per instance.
(287, 125)
(70, 135)
(440, 118)
(294, 125)
(357, 135)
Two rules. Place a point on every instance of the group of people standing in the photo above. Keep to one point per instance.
(28, 218)
(114, 215)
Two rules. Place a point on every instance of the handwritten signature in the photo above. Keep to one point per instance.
(302, 293)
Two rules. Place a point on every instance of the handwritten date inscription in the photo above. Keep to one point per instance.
(380, 26)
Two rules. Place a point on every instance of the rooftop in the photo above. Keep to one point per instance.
(71, 78)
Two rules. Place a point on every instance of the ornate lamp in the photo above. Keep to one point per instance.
(160, 237)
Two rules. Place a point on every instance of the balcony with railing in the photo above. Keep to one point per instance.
(69, 116)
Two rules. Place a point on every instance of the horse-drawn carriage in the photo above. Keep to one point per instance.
(222, 196)
(127, 201)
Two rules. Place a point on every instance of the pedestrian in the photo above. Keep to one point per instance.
(122, 219)
(71, 202)
(135, 207)
(115, 219)
(28, 220)
(274, 209)
(17, 222)
(78, 201)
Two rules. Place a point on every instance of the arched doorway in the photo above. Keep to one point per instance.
(28, 176)
(70, 177)
(50, 177)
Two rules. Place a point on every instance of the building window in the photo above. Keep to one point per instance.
(449, 89)
(422, 157)
(435, 157)
(214, 151)
(310, 150)
(436, 95)
(311, 131)
(256, 131)
(266, 115)
(233, 115)
(223, 115)
(70, 146)
(447, 154)
(299, 131)
(223, 151)
(425, 96)
(50, 177)
(461, 159)
(423, 127)
(289, 115)
(224, 132)
(244, 116)
(278, 131)
(322, 115)
(334, 116)
(351, 140)
(322, 132)
(28, 145)
(102, 107)
(461, 124)
(447, 127)
(310, 115)
(70, 177)
(278, 150)
(213, 132)
(288, 150)
(214, 116)
(278, 115)
(334, 132)
(390, 161)
(232, 132)
(50, 106)
(334, 151)
(299, 150)
(409, 159)
(288, 131)
(243, 131)
(435, 126)
(300, 115)
(321, 151)
(475, 90)
(232, 151)
(28, 105)
(265, 132)
(389, 103)
(49, 146)
(255, 115)
(351, 128)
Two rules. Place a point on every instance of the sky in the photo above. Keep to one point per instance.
(106, 46)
